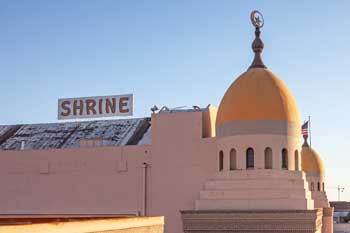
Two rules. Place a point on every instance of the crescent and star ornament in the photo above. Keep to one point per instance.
(257, 19)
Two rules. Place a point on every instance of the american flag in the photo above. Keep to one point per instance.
(305, 129)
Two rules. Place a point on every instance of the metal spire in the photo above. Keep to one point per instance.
(257, 45)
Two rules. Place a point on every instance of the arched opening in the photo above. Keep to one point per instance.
(250, 158)
(285, 159)
(312, 188)
(323, 187)
(221, 160)
(296, 160)
(233, 159)
(318, 186)
(268, 158)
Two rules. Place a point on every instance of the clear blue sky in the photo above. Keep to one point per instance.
(177, 53)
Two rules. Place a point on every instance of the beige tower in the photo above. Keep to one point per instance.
(315, 171)
(259, 185)
(258, 134)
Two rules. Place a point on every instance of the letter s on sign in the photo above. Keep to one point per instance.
(65, 105)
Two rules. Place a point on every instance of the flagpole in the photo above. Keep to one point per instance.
(310, 129)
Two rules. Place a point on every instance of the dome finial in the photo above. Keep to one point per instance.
(257, 45)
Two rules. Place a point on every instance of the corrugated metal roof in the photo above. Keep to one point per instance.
(68, 134)
(4, 129)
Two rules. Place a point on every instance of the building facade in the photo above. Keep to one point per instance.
(241, 161)
(341, 216)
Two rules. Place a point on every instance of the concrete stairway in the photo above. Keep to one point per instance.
(256, 189)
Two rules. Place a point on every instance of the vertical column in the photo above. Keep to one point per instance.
(291, 161)
(259, 158)
(241, 158)
(277, 158)
(226, 159)
(327, 220)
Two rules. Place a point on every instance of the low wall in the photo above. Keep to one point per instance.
(112, 225)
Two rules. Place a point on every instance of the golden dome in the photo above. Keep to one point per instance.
(311, 162)
(257, 94)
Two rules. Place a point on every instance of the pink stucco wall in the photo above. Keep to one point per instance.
(66, 181)
(181, 162)
(109, 180)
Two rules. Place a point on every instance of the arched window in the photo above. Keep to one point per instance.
(318, 186)
(312, 186)
(250, 158)
(296, 160)
(285, 159)
(221, 160)
(233, 160)
(268, 158)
